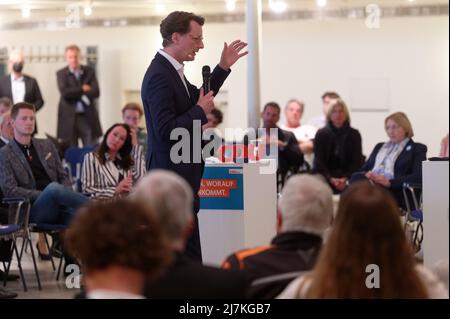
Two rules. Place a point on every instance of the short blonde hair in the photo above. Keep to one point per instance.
(341, 103)
(402, 120)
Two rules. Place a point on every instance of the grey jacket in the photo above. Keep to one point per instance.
(16, 177)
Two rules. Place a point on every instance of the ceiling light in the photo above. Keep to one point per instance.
(231, 5)
(160, 8)
(277, 6)
(87, 10)
(321, 3)
(26, 12)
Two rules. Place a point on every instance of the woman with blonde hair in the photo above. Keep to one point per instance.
(397, 161)
(337, 148)
(366, 254)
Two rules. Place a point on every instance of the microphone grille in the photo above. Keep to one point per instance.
(206, 69)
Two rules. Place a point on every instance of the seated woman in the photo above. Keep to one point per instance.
(396, 161)
(337, 148)
(367, 254)
(111, 170)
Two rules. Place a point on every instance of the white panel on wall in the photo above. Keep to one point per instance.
(369, 95)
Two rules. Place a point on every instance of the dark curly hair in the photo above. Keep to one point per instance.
(119, 233)
(125, 161)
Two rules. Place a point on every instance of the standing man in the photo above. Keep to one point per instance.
(19, 87)
(171, 102)
(77, 113)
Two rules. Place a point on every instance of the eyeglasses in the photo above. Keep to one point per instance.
(196, 39)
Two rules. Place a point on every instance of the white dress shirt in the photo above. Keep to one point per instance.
(18, 89)
(177, 65)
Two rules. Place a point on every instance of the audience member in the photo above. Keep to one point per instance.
(112, 169)
(304, 213)
(77, 113)
(304, 133)
(212, 134)
(19, 87)
(119, 245)
(367, 254)
(5, 105)
(6, 129)
(444, 147)
(32, 169)
(132, 114)
(170, 197)
(337, 148)
(328, 98)
(290, 158)
(396, 161)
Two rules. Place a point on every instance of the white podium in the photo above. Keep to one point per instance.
(435, 211)
(237, 209)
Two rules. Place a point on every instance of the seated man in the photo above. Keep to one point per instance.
(31, 169)
(170, 197)
(290, 158)
(303, 132)
(5, 105)
(305, 212)
(117, 251)
(131, 115)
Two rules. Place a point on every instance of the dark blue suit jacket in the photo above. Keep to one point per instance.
(407, 167)
(168, 106)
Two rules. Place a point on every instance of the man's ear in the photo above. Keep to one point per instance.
(175, 37)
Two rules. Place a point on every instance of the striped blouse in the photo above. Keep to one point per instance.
(101, 180)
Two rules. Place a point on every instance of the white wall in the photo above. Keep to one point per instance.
(300, 59)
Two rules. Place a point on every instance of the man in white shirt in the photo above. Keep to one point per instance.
(19, 87)
(304, 133)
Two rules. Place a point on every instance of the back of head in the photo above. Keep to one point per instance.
(119, 233)
(367, 233)
(171, 199)
(306, 204)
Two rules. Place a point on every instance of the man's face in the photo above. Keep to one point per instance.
(73, 59)
(16, 60)
(270, 117)
(6, 127)
(187, 45)
(24, 122)
(293, 113)
(327, 102)
(132, 118)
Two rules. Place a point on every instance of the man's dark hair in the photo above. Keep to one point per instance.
(22, 105)
(331, 95)
(177, 21)
(218, 115)
(274, 105)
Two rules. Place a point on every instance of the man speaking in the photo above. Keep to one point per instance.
(171, 102)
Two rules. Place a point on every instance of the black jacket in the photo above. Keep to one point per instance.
(337, 152)
(271, 268)
(187, 279)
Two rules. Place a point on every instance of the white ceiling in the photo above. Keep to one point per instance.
(10, 10)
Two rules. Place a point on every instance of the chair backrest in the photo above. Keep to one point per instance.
(18, 211)
(74, 157)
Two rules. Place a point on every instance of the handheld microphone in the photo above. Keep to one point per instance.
(206, 72)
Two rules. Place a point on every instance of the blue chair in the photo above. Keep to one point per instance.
(73, 158)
